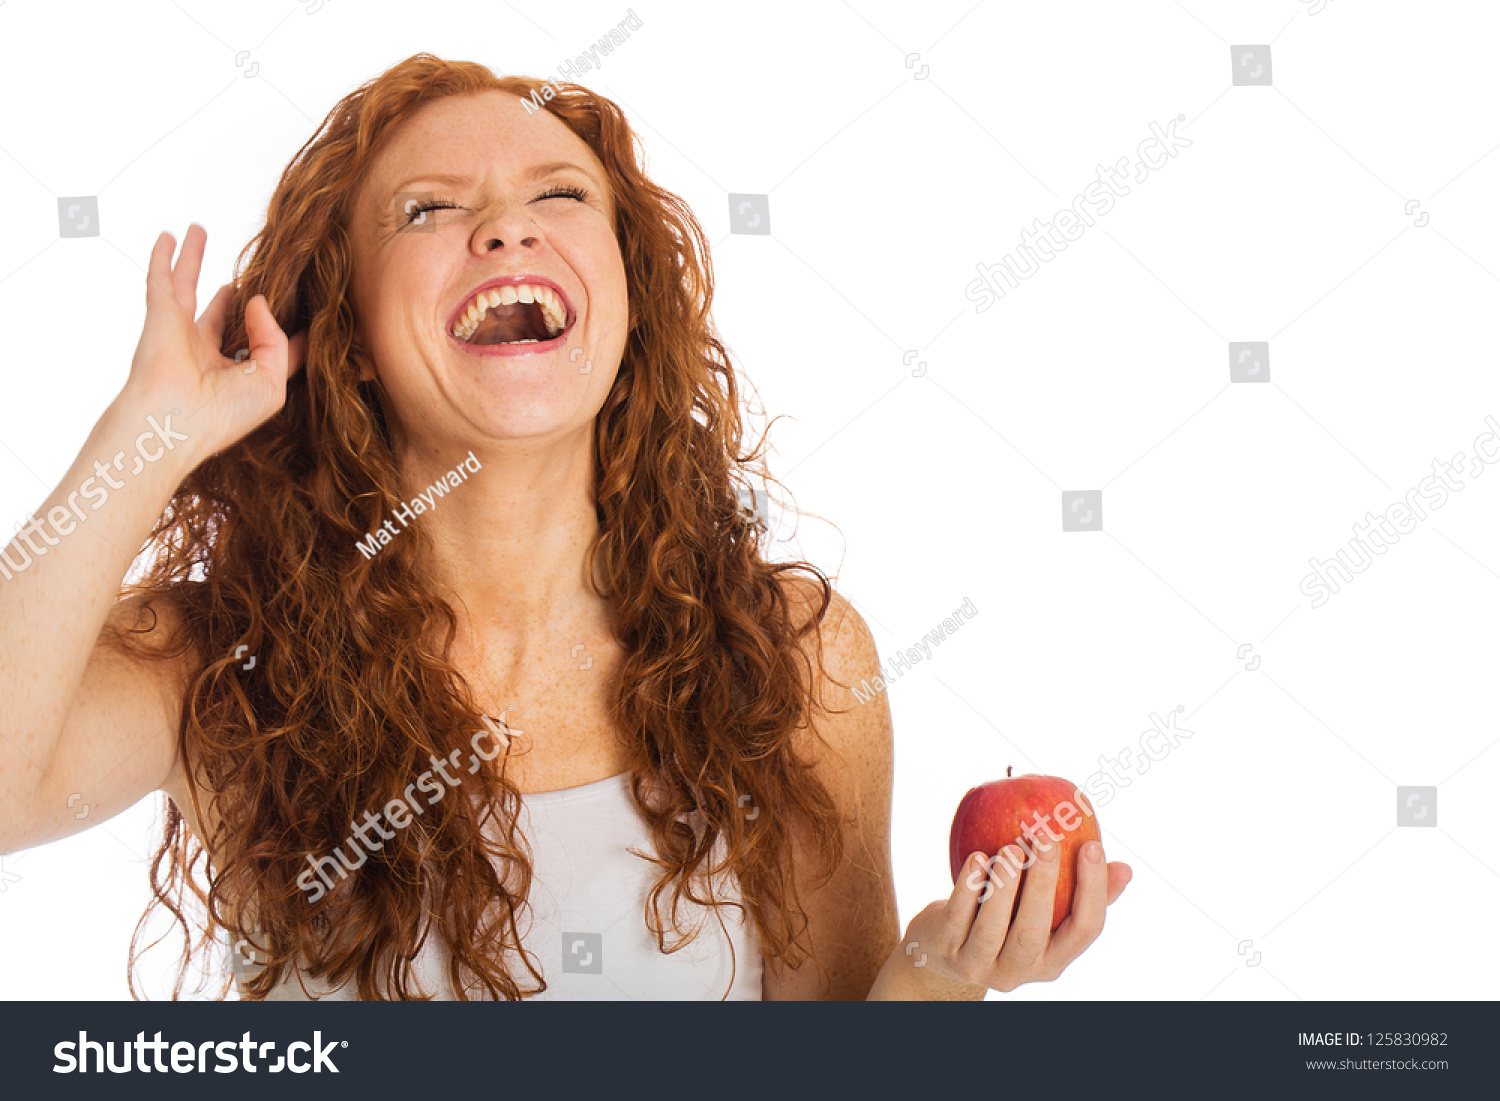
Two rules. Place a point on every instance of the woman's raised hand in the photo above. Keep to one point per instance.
(177, 364)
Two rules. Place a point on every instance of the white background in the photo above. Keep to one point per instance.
(1284, 221)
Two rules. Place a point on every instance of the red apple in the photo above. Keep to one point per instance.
(1028, 811)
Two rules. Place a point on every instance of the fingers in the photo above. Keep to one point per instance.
(211, 324)
(997, 902)
(185, 274)
(259, 322)
(1086, 922)
(159, 270)
(964, 903)
(1032, 929)
(1120, 876)
(268, 344)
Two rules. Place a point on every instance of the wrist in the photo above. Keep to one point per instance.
(154, 437)
(911, 978)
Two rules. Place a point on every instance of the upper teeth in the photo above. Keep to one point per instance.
(553, 310)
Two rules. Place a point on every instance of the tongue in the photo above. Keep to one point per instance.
(505, 324)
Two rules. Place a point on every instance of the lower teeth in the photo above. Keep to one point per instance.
(528, 340)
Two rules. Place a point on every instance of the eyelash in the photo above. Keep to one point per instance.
(565, 191)
(570, 191)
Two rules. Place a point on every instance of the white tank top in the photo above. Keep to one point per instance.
(585, 921)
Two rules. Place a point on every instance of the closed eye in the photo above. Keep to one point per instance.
(569, 191)
(557, 191)
(414, 213)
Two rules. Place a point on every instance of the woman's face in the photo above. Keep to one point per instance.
(496, 173)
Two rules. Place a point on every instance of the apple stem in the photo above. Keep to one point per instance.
(1007, 771)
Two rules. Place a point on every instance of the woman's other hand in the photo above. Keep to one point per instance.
(968, 944)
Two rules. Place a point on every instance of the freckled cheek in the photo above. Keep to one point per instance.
(403, 321)
(602, 271)
(394, 328)
(611, 298)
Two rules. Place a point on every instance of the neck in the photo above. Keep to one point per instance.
(510, 542)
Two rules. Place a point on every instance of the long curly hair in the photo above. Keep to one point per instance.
(354, 692)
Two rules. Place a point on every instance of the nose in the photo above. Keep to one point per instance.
(509, 225)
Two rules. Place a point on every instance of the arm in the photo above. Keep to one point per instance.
(900, 981)
(852, 919)
(87, 730)
(959, 949)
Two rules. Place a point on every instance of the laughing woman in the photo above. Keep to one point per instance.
(448, 640)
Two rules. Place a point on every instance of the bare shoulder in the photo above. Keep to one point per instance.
(842, 640)
(849, 746)
(854, 741)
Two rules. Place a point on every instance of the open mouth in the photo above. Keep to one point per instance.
(524, 313)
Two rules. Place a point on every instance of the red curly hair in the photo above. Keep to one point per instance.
(355, 691)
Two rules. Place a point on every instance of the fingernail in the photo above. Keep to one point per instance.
(1046, 851)
(978, 859)
(1094, 852)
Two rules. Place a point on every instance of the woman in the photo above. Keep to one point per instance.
(492, 474)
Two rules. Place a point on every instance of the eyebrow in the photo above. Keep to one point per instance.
(535, 172)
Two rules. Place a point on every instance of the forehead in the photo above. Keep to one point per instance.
(477, 136)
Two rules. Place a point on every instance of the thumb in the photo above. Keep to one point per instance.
(268, 344)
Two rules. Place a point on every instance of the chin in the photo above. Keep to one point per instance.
(517, 416)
